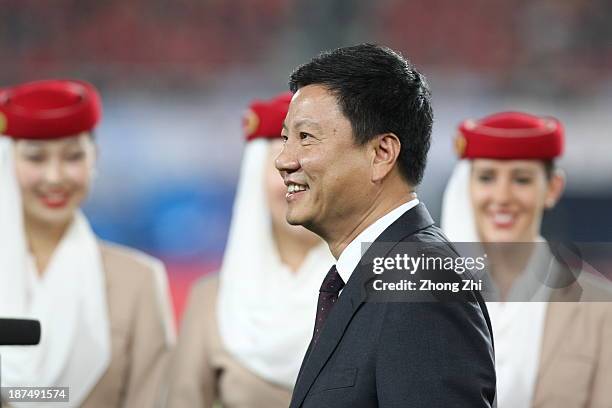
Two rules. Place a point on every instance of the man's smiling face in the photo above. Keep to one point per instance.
(327, 174)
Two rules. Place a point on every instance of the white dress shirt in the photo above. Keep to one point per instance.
(350, 257)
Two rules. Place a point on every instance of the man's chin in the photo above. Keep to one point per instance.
(292, 220)
(295, 218)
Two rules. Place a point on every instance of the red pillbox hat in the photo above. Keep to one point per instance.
(49, 109)
(264, 119)
(510, 135)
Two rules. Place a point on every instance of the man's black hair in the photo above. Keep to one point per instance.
(379, 91)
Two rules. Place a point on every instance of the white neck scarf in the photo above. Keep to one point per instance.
(519, 330)
(69, 299)
(266, 312)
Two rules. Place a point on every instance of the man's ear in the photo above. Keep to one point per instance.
(386, 149)
(556, 186)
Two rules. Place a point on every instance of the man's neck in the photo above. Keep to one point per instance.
(382, 205)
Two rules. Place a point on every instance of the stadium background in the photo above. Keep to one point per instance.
(176, 76)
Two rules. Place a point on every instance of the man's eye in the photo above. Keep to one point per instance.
(304, 135)
(284, 138)
(485, 178)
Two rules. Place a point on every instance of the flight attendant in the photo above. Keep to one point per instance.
(104, 309)
(553, 348)
(246, 330)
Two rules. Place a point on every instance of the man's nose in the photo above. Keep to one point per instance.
(286, 161)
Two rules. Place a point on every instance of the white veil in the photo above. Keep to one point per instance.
(266, 312)
(69, 300)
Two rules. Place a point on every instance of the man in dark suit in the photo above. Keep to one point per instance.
(356, 141)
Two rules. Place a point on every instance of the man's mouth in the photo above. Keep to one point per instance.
(294, 189)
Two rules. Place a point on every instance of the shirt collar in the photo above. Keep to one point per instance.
(350, 257)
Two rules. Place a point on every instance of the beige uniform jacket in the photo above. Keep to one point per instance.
(142, 330)
(575, 369)
(202, 372)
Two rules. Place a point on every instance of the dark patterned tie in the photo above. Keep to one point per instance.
(328, 295)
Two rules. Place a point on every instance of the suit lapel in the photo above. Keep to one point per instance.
(409, 223)
(349, 301)
(318, 354)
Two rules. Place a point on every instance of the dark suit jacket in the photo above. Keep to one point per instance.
(400, 354)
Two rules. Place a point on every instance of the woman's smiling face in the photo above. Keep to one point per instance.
(54, 176)
(509, 198)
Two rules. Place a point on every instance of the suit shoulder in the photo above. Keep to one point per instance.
(595, 288)
(130, 263)
(430, 234)
(200, 309)
(205, 290)
(432, 241)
